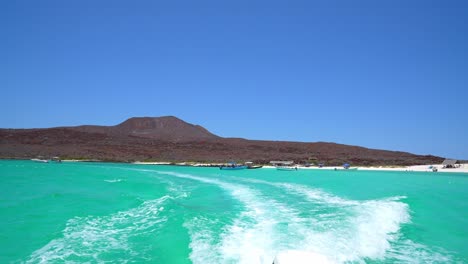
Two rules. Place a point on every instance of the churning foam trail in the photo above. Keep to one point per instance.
(253, 237)
(368, 230)
(86, 239)
(354, 230)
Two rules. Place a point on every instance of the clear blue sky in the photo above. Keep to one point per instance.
(380, 74)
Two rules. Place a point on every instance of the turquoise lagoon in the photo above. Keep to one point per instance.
(123, 213)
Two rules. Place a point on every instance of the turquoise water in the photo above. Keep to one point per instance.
(121, 213)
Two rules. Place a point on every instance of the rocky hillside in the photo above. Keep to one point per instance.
(171, 139)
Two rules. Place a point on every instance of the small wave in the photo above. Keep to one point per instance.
(407, 251)
(114, 180)
(90, 238)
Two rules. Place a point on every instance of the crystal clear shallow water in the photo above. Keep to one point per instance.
(96, 212)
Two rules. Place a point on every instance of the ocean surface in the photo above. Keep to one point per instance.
(123, 213)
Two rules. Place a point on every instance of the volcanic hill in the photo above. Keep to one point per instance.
(171, 139)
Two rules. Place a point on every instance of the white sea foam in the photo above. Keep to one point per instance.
(88, 238)
(369, 230)
(177, 190)
(300, 257)
(346, 231)
(366, 232)
(114, 180)
(253, 237)
(203, 245)
(407, 251)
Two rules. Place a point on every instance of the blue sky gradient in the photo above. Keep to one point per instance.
(380, 74)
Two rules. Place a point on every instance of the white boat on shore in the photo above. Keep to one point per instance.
(40, 160)
(286, 168)
(284, 165)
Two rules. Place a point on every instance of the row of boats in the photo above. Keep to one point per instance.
(250, 165)
(280, 165)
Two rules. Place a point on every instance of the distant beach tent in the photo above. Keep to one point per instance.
(320, 165)
(449, 163)
(346, 165)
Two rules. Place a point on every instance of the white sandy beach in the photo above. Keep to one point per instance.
(151, 163)
(440, 168)
(424, 168)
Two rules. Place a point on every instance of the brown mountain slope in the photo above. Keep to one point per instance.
(171, 139)
(166, 128)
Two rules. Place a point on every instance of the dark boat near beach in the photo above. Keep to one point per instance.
(251, 166)
(232, 166)
(238, 167)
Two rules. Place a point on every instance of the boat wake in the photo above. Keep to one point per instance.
(349, 230)
(253, 237)
(267, 220)
(336, 229)
(104, 238)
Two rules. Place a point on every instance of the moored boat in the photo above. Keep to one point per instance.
(232, 166)
(284, 165)
(238, 167)
(251, 166)
(286, 168)
(40, 160)
(56, 159)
